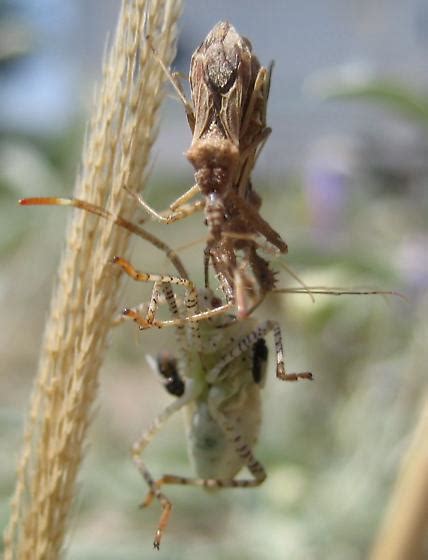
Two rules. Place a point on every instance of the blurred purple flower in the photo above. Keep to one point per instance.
(412, 262)
(327, 175)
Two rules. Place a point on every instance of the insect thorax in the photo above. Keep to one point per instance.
(215, 160)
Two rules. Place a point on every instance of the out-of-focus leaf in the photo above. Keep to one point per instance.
(346, 83)
(390, 94)
(16, 41)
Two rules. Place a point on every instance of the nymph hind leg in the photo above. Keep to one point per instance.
(141, 444)
(243, 450)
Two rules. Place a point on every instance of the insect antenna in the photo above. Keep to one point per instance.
(338, 291)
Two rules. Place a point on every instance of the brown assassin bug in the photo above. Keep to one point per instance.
(227, 117)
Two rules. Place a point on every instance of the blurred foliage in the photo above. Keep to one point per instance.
(387, 93)
(347, 83)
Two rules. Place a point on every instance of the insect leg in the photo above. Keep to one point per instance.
(258, 223)
(195, 318)
(191, 298)
(160, 280)
(173, 77)
(121, 318)
(242, 449)
(142, 443)
(116, 219)
(260, 91)
(172, 304)
(249, 156)
(246, 342)
(148, 312)
(177, 210)
(181, 200)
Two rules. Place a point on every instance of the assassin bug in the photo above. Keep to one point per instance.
(227, 118)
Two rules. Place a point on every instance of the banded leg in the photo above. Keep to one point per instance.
(172, 305)
(140, 445)
(195, 318)
(160, 288)
(243, 450)
(140, 310)
(143, 310)
(191, 300)
(246, 342)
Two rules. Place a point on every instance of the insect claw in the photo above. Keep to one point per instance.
(281, 374)
(147, 500)
(137, 318)
(156, 542)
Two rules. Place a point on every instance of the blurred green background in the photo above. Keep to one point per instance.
(343, 178)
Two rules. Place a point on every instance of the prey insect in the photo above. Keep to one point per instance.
(227, 117)
(216, 379)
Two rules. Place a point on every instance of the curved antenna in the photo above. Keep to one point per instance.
(296, 277)
(338, 291)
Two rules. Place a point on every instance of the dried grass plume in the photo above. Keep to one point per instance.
(116, 151)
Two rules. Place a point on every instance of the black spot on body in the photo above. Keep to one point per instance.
(260, 355)
(167, 367)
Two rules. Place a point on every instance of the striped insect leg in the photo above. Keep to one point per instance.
(160, 281)
(191, 299)
(242, 449)
(137, 450)
(247, 342)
